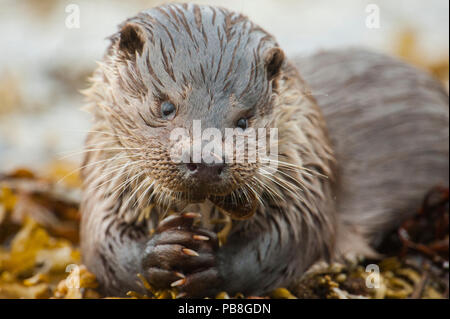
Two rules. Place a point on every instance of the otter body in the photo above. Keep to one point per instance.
(361, 138)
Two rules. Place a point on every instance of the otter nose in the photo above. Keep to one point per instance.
(205, 172)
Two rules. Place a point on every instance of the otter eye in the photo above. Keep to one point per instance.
(168, 110)
(242, 123)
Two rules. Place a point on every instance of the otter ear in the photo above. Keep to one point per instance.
(273, 59)
(131, 40)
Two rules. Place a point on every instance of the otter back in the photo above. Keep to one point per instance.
(389, 126)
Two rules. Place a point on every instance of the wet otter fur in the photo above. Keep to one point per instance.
(361, 138)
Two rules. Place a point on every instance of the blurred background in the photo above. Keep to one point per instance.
(44, 64)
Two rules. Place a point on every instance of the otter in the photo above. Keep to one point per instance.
(361, 138)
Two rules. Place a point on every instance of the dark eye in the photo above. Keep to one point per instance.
(242, 123)
(168, 110)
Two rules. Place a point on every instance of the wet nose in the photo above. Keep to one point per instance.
(205, 172)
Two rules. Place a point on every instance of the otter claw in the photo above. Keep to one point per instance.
(192, 215)
(190, 252)
(178, 253)
(178, 282)
(179, 274)
(200, 237)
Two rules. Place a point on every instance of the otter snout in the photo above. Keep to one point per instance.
(201, 180)
(205, 173)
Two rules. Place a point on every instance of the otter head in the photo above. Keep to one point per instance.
(179, 67)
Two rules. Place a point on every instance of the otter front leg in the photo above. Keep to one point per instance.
(176, 255)
(183, 256)
(112, 249)
(253, 261)
(261, 256)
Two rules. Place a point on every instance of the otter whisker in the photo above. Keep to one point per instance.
(100, 149)
(103, 164)
(256, 189)
(119, 173)
(282, 183)
(234, 199)
(153, 195)
(88, 146)
(293, 166)
(117, 168)
(271, 192)
(160, 196)
(280, 171)
(291, 177)
(138, 188)
(241, 194)
(101, 132)
(244, 192)
(121, 187)
(254, 193)
(287, 186)
(83, 148)
(105, 175)
(144, 193)
(85, 166)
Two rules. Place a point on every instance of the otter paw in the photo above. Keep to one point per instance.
(183, 256)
